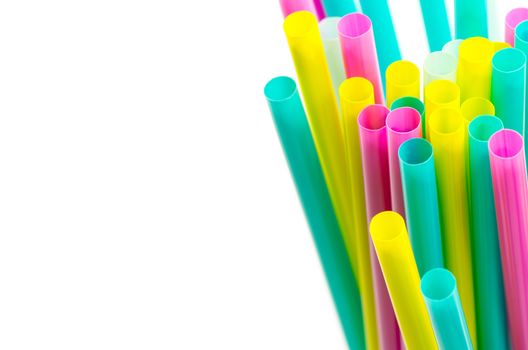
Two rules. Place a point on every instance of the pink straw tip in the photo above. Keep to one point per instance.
(506, 143)
(373, 118)
(354, 25)
(404, 120)
(513, 18)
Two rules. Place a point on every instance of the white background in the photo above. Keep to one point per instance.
(144, 199)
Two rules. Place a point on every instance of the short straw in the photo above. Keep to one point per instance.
(474, 68)
(448, 137)
(299, 149)
(439, 289)
(412, 102)
(513, 18)
(338, 8)
(332, 48)
(510, 189)
(359, 51)
(402, 78)
(319, 9)
(521, 43)
(390, 238)
(385, 36)
(307, 51)
(452, 47)
(402, 124)
(356, 94)
(436, 23)
(439, 66)
(374, 155)
(421, 203)
(492, 331)
(440, 94)
(475, 106)
(471, 19)
(291, 6)
(508, 85)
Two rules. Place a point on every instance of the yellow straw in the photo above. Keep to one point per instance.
(475, 106)
(402, 79)
(474, 68)
(440, 94)
(396, 258)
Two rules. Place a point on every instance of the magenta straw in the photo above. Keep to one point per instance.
(513, 18)
(319, 9)
(510, 189)
(374, 155)
(291, 6)
(359, 51)
(402, 124)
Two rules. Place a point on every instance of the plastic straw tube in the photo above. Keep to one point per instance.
(493, 21)
(448, 137)
(475, 106)
(356, 94)
(402, 124)
(338, 8)
(439, 66)
(474, 68)
(291, 6)
(390, 238)
(513, 18)
(319, 9)
(439, 290)
(510, 189)
(508, 85)
(471, 19)
(452, 47)
(521, 43)
(299, 149)
(359, 52)
(402, 79)
(492, 331)
(332, 48)
(374, 155)
(385, 36)
(434, 15)
(414, 103)
(440, 94)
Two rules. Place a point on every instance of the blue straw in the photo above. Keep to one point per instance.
(338, 8)
(434, 15)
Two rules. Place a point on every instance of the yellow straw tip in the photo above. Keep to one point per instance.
(356, 89)
(300, 23)
(476, 50)
(387, 226)
(402, 73)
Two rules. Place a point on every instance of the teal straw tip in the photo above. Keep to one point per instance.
(415, 151)
(280, 89)
(482, 127)
(521, 33)
(509, 60)
(438, 285)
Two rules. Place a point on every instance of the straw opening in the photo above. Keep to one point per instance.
(280, 89)
(440, 63)
(506, 143)
(475, 106)
(481, 128)
(415, 151)
(476, 50)
(509, 60)
(387, 226)
(328, 28)
(300, 23)
(438, 285)
(403, 120)
(521, 31)
(356, 89)
(516, 16)
(354, 25)
(373, 117)
(403, 73)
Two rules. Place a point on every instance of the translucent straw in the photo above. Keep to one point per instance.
(448, 137)
(436, 23)
(510, 189)
(421, 203)
(359, 51)
(439, 66)
(412, 102)
(475, 106)
(338, 8)
(471, 19)
(440, 94)
(440, 292)
(474, 68)
(513, 18)
(291, 6)
(374, 155)
(402, 124)
(299, 149)
(521, 43)
(332, 48)
(390, 238)
(402, 79)
(452, 47)
(356, 94)
(492, 331)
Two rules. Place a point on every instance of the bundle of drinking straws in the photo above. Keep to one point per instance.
(418, 207)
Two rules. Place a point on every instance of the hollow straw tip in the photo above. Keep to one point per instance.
(328, 28)
(356, 90)
(372, 118)
(299, 24)
(403, 120)
(521, 34)
(509, 60)
(280, 89)
(475, 50)
(387, 226)
(506, 144)
(354, 26)
(483, 127)
(415, 152)
(438, 285)
(516, 16)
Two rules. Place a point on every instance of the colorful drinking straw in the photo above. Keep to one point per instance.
(474, 68)
(494, 28)
(513, 18)
(291, 6)
(338, 8)
(521, 43)
(452, 47)
(475, 106)
(402, 78)
(439, 290)
(471, 19)
(492, 331)
(390, 238)
(412, 102)
(319, 9)
(299, 149)
(436, 23)
(439, 66)
(440, 94)
(510, 189)
(332, 48)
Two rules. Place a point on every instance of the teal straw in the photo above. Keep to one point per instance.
(521, 43)
(413, 102)
(299, 148)
(338, 8)
(492, 328)
(421, 203)
(471, 18)
(434, 15)
(384, 35)
(440, 292)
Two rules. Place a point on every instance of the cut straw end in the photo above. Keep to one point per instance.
(513, 18)
(439, 66)
(483, 127)
(402, 79)
(506, 144)
(452, 46)
(475, 106)
(290, 6)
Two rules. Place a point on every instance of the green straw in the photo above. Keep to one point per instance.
(471, 18)
(413, 102)
(521, 43)
(299, 148)
(434, 14)
(339, 8)
(492, 328)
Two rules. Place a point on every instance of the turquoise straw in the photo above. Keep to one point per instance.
(434, 15)
(299, 148)
(492, 328)
(413, 102)
(338, 8)
(421, 203)
(384, 34)
(443, 302)
(471, 18)
(521, 43)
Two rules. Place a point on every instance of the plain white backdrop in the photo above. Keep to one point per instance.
(144, 199)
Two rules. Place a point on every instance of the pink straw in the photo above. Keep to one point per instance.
(513, 18)
(374, 155)
(319, 9)
(359, 51)
(291, 6)
(402, 124)
(510, 189)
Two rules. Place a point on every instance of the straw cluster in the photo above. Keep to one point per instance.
(416, 195)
